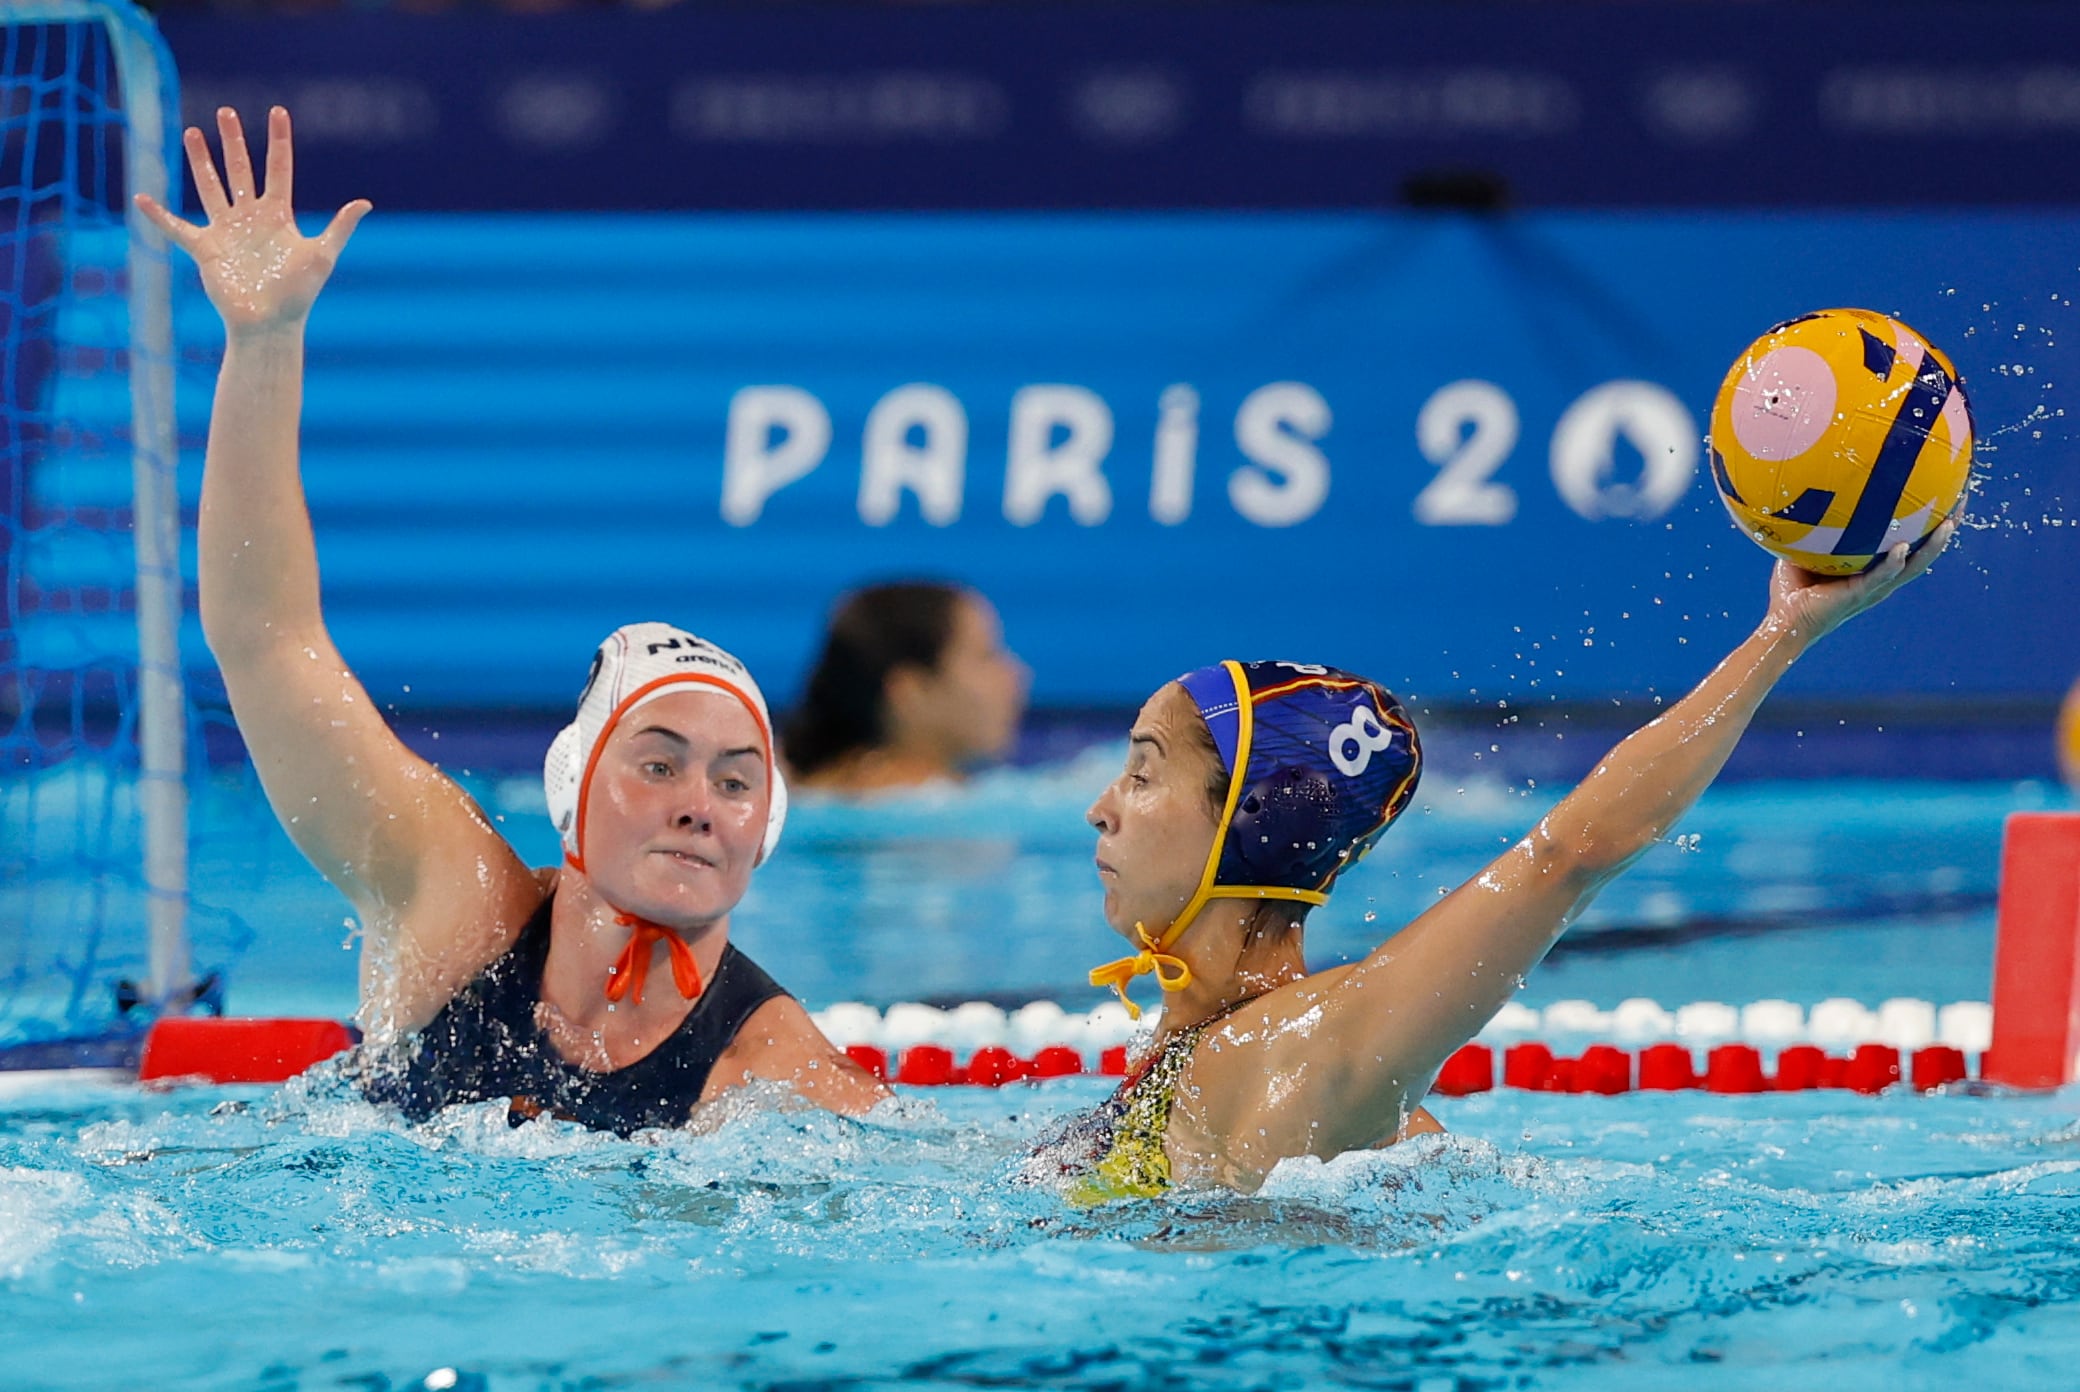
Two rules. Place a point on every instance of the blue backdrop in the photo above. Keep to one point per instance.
(1708, 103)
(1460, 455)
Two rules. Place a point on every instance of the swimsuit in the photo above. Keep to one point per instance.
(1116, 1151)
(487, 1043)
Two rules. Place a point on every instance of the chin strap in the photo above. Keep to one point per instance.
(632, 967)
(1170, 971)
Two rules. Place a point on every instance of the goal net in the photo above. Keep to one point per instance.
(94, 727)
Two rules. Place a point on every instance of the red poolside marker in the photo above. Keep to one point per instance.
(238, 1051)
(1526, 1066)
(1834, 1072)
(874, 1060)
(926, 1065)
(2036, 954)
(1939, 1065)
(1873, 1068)
(1666, 1068)
(1113, 1061)
(993, 1066)
(1733, 1069)
(1800, 1068)
(1603, 1069)
(1470, 1069)
(1055, 1061)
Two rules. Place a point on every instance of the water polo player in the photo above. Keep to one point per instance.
(495, 982)
(1248, 788)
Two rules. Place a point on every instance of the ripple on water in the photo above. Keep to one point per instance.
(302, 1238)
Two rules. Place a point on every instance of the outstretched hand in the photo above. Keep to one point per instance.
(1813, 605)
(258, 270)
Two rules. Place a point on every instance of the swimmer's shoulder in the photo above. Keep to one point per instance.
(778, 1042)
(1234, 1116)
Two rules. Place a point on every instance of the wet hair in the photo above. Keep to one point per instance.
(873, 631)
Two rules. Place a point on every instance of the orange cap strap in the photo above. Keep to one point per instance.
(1170, 971)
(632, 967)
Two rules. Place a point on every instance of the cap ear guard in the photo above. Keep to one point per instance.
(776, 815)
(1280, 824)
(561, 769)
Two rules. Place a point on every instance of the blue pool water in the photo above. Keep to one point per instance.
(298, 1238)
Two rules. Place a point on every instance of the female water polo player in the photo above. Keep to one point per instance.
(914, 685)
(1248, 788)
(664, 788)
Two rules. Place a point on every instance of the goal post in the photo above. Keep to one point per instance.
(91, 118)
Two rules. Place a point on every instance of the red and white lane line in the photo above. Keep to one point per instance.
(1569, 1046)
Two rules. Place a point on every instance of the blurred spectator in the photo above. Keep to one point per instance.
(2069, 738)
(914, 685)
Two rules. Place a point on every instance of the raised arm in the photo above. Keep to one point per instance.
(437, 889)
(1387, 1023)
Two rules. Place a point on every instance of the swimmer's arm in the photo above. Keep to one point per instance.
(780, 1043)
(415, 856)
(1350, 1051)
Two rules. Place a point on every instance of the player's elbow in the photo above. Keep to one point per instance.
(1579, 855)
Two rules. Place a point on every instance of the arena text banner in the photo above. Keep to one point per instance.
(1462, 455)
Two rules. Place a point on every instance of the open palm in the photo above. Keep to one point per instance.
(258, 270)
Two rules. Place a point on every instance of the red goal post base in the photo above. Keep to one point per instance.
(2036, 955)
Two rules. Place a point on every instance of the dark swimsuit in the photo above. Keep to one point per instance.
(485, 1043)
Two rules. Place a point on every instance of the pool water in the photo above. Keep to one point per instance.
(299, 1238)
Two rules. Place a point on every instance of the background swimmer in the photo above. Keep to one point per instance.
(1255, 1059)
(913, 685)
(666, 782)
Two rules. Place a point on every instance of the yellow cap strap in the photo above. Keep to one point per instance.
(1170, 971)
(1245, 730)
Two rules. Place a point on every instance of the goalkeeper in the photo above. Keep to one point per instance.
(492, 981)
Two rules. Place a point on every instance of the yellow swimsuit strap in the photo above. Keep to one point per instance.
(1136, 1165)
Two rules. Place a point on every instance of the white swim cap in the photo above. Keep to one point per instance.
(636, 663)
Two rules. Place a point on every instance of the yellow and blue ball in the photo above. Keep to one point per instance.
(1838, 435)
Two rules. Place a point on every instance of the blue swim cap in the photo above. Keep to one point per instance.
(1319, 763)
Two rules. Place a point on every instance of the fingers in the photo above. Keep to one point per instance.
(281, 158)
(178, 231)
(238, 161)
(1932, 548)
(209, 190)
(334, 237)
